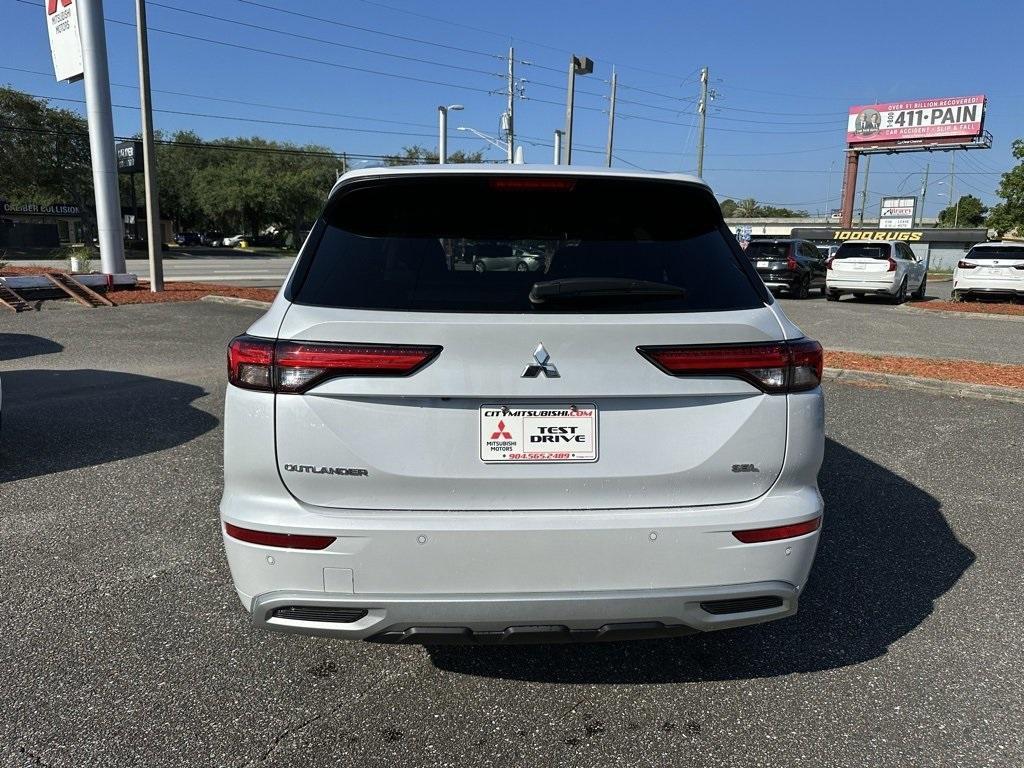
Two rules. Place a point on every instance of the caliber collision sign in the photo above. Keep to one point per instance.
(65, 42)
(915, 121)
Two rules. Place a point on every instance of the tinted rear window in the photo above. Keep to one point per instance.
(756, 250)
(862, 251)
(996, 253)
(480, 244)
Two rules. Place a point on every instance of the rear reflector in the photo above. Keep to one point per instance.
(283, 540)
(293, 367)
(775, 367)
(756, 535)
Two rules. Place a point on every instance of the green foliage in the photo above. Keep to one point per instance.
(417, 155)
(1008, 216)
(44, 151)
(968, 212)
(749, 208)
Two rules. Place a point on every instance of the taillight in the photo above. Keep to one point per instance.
(778, 532)
(828, 264)
(284, 540)
(965, 265)
(292, 367)
(775, 367)
(892, 265)
(791, 264)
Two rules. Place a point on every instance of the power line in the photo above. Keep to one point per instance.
(261, 105)
(293, 57)
(310, 38)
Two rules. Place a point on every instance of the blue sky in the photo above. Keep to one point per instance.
(784, 75)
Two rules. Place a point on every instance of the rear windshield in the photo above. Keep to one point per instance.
(756, 250)
(524, 244)
(996, 253)
(862, 251)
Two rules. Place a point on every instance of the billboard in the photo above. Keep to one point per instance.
(65, 43)
(129, 156)
(897, 213)
(961, 117)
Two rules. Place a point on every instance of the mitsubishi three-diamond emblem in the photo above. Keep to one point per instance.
(543, 365)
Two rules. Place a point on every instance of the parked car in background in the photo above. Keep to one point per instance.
(877, 267)
(212, 239)
(624, 443)
(827, 251)
(234, 240)
(990, 269)
(792, 265)
(188, 238)
(503, 257)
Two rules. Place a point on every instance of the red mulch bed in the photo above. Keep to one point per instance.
(140, 294)
(967, 371)
(975, 307)
(11, 270)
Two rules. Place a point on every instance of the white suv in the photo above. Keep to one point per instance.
(881, 267)
(990, 269)
(622, 443)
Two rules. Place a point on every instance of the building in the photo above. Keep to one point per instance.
(28, 225)
(942, 247)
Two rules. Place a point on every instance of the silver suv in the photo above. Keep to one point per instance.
(621, 443)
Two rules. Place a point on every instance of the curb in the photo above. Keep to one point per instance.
(954, 313)
(942, 386)
(237, 302)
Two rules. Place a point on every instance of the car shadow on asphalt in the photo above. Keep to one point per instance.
(886, 555)
(14, 346)
(56, 420)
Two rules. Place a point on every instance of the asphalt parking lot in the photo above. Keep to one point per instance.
(124, 644)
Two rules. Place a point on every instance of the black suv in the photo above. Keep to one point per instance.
(794, 265)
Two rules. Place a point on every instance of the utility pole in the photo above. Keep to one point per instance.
(611, 119)
(578, 65)
(510, 131)
(952, 176)
(558, 146)
(702, 108)
(101, 136)
(154, 235)
(924, 191)
(864, 192)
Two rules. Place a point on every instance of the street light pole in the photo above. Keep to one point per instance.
(154, 234)
(558, 146)
(442, 131)
(578, 65)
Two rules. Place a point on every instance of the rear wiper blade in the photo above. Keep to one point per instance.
(600, 287)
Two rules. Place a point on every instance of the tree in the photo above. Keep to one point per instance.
(968, 212)
(750, 209)
(1008, 216)
(45, 154)
(417, 155)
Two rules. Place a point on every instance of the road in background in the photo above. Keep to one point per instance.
(125, 643)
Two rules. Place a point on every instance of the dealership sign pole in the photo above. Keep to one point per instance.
(79, 48)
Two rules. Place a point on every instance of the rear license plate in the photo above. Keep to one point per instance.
(858, 266)
(540, 434)
(991, 271)
(763, 265)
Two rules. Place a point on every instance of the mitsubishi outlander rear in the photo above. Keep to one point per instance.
(622, 442)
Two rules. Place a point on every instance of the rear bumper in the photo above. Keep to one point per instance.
(1004, 286)
(888, 285)
(779, 278)
(518, 618)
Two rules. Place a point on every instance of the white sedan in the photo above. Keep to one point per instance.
(990, 268)
(880, 267)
